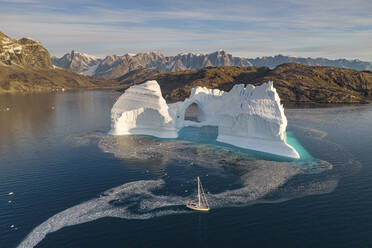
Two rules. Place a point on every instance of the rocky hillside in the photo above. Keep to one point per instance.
(295, 83)
(25, 52)
(15, 79)
(78, 62)
(115, 66)
(25, 65)
(274, 61)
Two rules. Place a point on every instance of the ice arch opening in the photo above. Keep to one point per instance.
(194, 113)
(249, 117)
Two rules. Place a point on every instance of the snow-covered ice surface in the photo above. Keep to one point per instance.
(248, 117)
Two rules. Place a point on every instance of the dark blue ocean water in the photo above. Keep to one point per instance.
(75, 186)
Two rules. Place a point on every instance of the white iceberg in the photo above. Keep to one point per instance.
(249, 117)
(143, 110)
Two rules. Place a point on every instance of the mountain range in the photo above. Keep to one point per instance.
(25, 65)
(114, 66)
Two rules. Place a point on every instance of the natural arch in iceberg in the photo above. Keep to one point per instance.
(248, 117)
(194, 113)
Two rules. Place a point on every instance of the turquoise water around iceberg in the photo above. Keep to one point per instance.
(292, 141)
(208, 135)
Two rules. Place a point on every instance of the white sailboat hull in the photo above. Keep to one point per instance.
(196, 207)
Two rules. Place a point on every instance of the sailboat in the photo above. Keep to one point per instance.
(202, 203)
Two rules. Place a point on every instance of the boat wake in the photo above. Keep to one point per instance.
(133, 200)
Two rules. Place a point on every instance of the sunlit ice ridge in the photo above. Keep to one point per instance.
(247, 117)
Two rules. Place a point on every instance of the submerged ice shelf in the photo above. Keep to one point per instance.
(249, 117)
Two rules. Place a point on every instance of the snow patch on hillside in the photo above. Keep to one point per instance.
(91, 70)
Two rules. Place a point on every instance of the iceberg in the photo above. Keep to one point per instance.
(249, 117)
(143, 110)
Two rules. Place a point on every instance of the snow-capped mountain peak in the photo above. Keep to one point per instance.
(78, 62)
(115, 66)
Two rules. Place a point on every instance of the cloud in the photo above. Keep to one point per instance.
(19, 1)
(247, 28)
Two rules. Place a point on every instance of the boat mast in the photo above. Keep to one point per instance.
(203, 195)
(198, 191)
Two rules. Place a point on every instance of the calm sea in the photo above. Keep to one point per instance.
(64, 182)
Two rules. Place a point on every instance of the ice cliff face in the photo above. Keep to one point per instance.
(143, 110)
(249, 117)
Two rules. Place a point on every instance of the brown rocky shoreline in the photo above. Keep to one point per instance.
(295, 83)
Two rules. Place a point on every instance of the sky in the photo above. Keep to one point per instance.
(303, 28)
